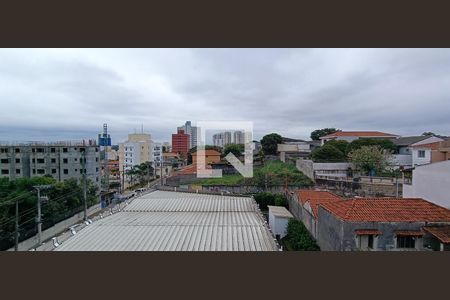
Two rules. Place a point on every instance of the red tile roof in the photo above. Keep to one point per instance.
(315, 198)
(189, 170)
(442, 233)
(409, 232)
(367, 232)
(387, 210)
(359, 134)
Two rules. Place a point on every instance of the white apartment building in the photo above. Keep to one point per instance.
(139, 148)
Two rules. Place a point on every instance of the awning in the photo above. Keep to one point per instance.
(409, 232)
(442, 233)
(368, 232)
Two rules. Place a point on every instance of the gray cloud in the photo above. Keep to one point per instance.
(52, 94)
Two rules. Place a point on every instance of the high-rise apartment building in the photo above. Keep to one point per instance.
(62, 160)
(222, 139)
(180, 142)
(192, 132)
(138, 149)
(239, 137)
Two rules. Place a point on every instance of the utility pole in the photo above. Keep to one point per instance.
(148, 175)
(84, 183)
(39, 215)
(16, 244)
(123, 179)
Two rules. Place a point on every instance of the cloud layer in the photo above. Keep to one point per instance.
(55, 94)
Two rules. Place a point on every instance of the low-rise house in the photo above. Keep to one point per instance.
(211, 156)
(297, 149)
(278, 220)
(308, 205)
(431, 182)
(386, 224)
(350, 136)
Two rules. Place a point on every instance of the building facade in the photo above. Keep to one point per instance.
(192, 132)
(61, 160)
(381, 224)
(431, 182)
(180, 142)
(138, 149)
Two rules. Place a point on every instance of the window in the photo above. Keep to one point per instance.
(17, 150)
(40, 160)
(53, 171)
(65, 160)
(66, 171)
(5, 172)
(76, 170)
(65, 150)
(17, 160)
(421, 153)
(40, 150)
(41, 171)
(370, 242)
(53, 160)
(52, 150)
(96, 159)
(33, 150)
(33, 160)
(406, 242)
(4, 150)
(34, 171)
(76, 159)
(96, 169)
(17, 171)
(4, 160)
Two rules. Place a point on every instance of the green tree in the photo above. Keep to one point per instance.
(318, 133)
(65, 199)
(142, 172)
(328, 153)
(385, 144)
(269, 143)
(236, 149)
(370, 158)
(429, 133)
(340, 145)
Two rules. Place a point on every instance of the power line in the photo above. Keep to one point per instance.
(33, 208)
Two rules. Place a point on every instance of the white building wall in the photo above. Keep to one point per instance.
(416, 160)
(278, 225)
(430, 182)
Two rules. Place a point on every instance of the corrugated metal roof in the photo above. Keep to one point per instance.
(172, 221)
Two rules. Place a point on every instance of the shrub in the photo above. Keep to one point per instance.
(299, 238)
(264, 199)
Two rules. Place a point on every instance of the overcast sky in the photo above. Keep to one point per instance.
(59, 94)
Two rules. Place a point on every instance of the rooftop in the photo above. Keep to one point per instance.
(442, 233)
(359, 134)
(174, 221)
(409, 140)
(279, 211)
(387, 210)
(315, 198)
